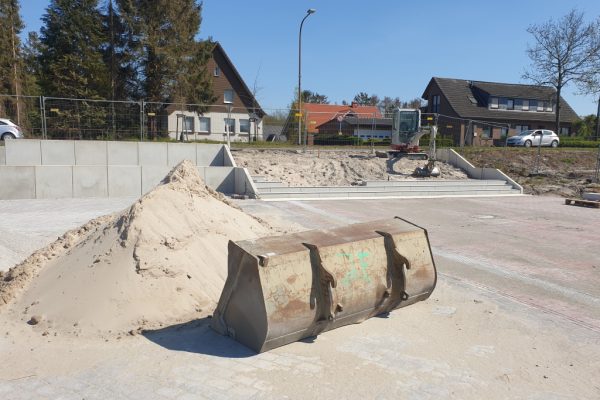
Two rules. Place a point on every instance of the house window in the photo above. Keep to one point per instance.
(565, 131)
(228, 96)
(548, 106)
(533, 105)
(525, 105)
(245, 125)
(502, 103)
(510, 104)
(436, 104)
(503, 133)
(217, 71)
(540, 106)
(486, 132)
(518, 104)
(205, 124)
(188, 124)
(494, 102)
(521, 128)
(230, 125)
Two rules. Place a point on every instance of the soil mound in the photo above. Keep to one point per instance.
(160, 262)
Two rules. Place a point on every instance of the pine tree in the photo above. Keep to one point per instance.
(173, 61)
(71, 57)
(11, 61)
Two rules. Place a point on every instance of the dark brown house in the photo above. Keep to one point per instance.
(479, 113)
(235, 110)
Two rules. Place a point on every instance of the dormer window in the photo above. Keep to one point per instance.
(494, 102)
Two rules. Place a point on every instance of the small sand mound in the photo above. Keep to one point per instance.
(160, 262)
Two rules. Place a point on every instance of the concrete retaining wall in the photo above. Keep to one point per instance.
(66, 168)
(452, 157)
(92, 152)
(83, 181)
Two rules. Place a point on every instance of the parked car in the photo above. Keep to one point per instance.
(9, 130)
(532, 138)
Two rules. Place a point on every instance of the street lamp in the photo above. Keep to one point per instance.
(308, 12)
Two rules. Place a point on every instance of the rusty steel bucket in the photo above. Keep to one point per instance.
(285, 288)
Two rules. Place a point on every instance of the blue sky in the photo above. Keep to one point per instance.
(386, 47)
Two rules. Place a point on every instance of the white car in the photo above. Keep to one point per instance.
(532, 138)
(9, 130)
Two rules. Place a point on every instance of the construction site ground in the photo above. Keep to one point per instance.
(562, 171)
(516, 314)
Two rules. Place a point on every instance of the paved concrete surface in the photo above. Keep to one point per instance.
(516, 315)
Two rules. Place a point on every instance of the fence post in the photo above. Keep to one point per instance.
(142, 120)
(43, 117)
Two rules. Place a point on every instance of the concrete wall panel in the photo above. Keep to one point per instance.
(122, 153)
(124, 181)
(178, 152)
(221, 179)
(89, 152)
(228, 160)
(152, 175)
(53, 182)
(58, 152)
(209, 155)
(17, 182)
(152, 154)
(23, 152)
(90, 181)
(243, 183)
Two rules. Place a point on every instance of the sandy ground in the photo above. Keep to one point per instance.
(331, 167)
(522, 323)
(561, 172)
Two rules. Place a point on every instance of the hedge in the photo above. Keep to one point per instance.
(578, 142)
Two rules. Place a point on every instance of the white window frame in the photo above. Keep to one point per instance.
(494, 103)
(184, 124)
(232, 120)
(206, 119)
(217, 71)
(225, 96)
(247, 121)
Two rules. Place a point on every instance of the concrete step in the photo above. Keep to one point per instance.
(269, 184)
(383, 194)
(461, 182)
(384, 189)
(259, 178)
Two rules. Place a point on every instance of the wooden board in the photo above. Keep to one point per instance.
(583, 203)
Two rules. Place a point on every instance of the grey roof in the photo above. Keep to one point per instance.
(458, 91)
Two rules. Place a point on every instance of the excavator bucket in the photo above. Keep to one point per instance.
(285, 288)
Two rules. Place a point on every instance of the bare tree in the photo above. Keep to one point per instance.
(564, 51)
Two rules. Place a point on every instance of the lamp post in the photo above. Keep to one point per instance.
(308, 13)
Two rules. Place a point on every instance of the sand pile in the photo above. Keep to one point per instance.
(160, 262)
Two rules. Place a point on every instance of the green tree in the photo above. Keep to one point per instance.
(172, 62)
(70, 56)
(11, 61)
(314, 97)
(363, 99)
(585, 126)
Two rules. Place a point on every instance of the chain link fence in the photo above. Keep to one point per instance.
(91, 119)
